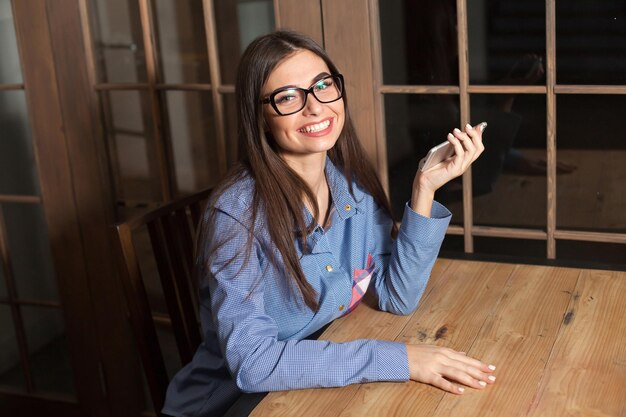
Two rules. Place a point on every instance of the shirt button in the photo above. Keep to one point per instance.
(341, 307)
(329, 268)
(348, 207)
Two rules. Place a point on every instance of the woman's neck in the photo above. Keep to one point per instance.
(312, 170)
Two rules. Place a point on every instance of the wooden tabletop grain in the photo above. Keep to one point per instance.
(557, 336)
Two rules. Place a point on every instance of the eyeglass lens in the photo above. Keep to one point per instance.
(292, 100)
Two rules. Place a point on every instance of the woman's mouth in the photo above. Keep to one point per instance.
(317, 129)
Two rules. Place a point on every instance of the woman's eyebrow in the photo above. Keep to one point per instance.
(319, 77)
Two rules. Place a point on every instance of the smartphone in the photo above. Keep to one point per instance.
(436, 155)
(441, 152)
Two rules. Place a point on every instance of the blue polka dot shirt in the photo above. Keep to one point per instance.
(255, 321)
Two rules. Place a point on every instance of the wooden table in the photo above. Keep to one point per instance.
(557, 336)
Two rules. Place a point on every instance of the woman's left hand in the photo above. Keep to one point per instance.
(468, 146)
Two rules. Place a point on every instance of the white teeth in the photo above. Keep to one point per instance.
(316, 127)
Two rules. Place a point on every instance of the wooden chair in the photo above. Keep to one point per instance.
(171, 228)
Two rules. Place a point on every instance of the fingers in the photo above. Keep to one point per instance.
(468, 145)
(447, 369)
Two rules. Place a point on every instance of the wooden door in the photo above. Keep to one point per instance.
(64, 351)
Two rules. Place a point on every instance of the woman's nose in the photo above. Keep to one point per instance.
(312, 106)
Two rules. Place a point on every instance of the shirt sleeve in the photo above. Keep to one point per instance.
(406, 263)
(247, 336)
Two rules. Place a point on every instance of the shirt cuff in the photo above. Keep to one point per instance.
(392, 361)
(429, 229)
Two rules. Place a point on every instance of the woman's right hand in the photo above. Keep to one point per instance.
(439, 366)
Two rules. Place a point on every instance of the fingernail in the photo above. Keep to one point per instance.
(468, 126)
(483, 126)
(456, 130)
(491, 378)
(492, 367)
(482, 383)
(450, 135)
(461, 389)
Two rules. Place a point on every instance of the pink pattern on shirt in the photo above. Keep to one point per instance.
(360, 281)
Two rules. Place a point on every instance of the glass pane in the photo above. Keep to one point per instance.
(511, 250)
(10, 71)
(414, 124)
(507, 42)
(591, 42)
(118, 41)
(509, 178)
(27, 240)
(193, 140)
(238, 23)
(419, 42)
(48, 352)
(181, 40)
(599, 254)
(495, 248)
(132, 153)
(11, 373)
(18, 173)
(591, 155)
(453, 246)
(230, 111)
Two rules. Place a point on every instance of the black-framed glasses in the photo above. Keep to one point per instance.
(290, 100)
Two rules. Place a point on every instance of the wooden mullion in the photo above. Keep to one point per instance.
(226, 89)
(464, 105)
(509, 232)
(22, 199)
(277, 22)
(507, 89)
(379, 99)
(185, 87)
(122, 86)
(590, 236)
(155, 101)
(128, 132)
(589, 89)
(18, 321)
(9, 87)
(210, 30)
(30, 303)
(419, 89)
(454, 229)
(110, 144)
(551, 126)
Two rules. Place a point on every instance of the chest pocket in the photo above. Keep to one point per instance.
(360, 282)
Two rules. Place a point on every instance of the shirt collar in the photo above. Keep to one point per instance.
(346, 205)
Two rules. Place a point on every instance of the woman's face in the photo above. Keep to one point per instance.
(312, 130)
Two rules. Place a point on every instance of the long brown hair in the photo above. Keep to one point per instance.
(279, 192)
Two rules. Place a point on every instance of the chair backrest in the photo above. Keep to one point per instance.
(171, 228)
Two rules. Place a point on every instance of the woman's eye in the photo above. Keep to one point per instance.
(323, 85)
(285, 98)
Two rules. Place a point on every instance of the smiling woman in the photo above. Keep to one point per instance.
(298, 232)
(304, 128)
